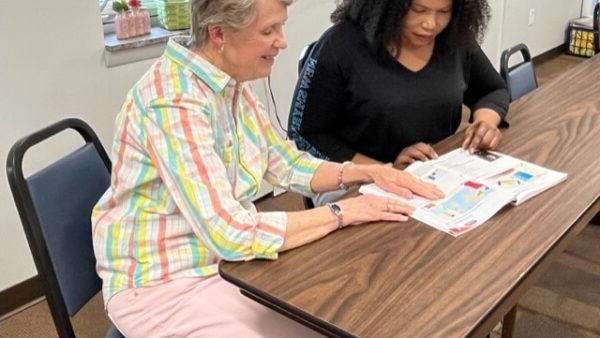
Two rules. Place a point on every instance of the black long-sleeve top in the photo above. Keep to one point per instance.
(347, 100)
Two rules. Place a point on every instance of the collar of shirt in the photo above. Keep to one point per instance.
(214, 77)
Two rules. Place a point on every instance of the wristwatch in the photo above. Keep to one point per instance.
(337, 211)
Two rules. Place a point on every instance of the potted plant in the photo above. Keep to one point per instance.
(131, 20)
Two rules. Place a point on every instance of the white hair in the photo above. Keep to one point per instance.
(236, 14)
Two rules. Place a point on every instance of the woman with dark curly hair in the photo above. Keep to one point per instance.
(391, 76)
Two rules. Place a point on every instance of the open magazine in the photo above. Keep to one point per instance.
(476, 186)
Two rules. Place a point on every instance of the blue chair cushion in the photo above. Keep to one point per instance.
(113, 333)
(63, 195)
(521, 80)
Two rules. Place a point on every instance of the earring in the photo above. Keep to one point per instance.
(221, 49)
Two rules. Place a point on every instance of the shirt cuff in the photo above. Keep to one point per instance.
(305, 169)
(270, 235)
(501, 111)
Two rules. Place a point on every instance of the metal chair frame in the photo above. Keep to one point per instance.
(505, 70)
(31, 222)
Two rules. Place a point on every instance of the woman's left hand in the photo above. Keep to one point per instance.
(402, 183)
(481, 135)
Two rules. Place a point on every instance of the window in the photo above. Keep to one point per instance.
(119, 52)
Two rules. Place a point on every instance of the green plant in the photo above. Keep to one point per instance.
(120, 6)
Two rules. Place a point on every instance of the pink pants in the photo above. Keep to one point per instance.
(194, 307)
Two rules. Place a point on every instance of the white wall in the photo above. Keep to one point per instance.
(548, 29)
(587, 8)
(492, 41)
(51, 67)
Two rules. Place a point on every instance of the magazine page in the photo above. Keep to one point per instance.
(464, 209)
(476, 187)
(519, 178)
(467, 204)
(475, 166)
(516, 177)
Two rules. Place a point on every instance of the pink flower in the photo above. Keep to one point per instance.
(134, 3)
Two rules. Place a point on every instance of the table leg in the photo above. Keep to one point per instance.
(508, 323)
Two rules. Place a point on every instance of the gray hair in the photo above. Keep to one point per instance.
(236, 14)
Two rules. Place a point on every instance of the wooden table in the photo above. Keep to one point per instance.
(393, 279)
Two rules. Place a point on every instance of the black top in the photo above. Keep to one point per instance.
(348, 101)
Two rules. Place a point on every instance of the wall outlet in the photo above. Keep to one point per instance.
(531, 20)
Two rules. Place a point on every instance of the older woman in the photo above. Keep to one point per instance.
(191, 148)
(391, 76)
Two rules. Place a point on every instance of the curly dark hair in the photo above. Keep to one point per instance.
(380, 20)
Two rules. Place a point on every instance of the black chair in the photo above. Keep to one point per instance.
(304, 53)
(520, 79)
(55, 206)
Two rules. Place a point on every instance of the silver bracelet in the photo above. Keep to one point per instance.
(341, 183)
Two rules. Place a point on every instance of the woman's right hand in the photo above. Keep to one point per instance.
(371, 208)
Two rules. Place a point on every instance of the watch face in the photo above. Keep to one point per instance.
(337, 211)
(336, 208)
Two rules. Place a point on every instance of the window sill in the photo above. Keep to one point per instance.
(120, 52)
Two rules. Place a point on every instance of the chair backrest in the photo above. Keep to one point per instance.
(520, 79)
(304, 53)
(55, 206)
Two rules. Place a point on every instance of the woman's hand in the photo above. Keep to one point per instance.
(419, 151)
(370, 208)
(401, 182)
(483, 133)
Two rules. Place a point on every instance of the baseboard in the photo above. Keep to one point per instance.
(549, 54)
(21, 294)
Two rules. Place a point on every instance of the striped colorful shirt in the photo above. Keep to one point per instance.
(190, 151)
